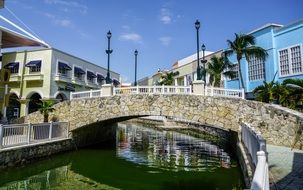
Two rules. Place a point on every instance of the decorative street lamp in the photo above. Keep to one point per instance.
(204, 63)
(108, 51)
(136, 54)
(197, 25)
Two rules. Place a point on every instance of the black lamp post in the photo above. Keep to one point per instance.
(197, 25)
(204, 63)
(108, 51)
(136, 54)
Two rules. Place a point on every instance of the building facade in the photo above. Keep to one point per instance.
(47, 74)
(185, 70)
(285, 58)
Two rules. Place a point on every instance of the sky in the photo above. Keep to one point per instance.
(162, 31)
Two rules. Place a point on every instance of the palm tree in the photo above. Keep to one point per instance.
(46, 107)
(167, 78)
(244, 45)
(218, 66)
(265, 92)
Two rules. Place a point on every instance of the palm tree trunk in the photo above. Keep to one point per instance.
(242, 85)
(45, 117)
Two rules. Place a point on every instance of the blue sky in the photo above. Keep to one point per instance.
(162, 31)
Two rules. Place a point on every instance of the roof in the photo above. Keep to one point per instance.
(192, 58)
(12, 39)
(266, 26)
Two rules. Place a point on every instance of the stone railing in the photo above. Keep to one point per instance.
(24, 134)
(256, 147)
(86, 94)
(223, 92)
(153, 90)
(197, 89)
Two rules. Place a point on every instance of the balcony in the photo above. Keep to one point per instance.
(15, 78)
(33, 76)
(78, 81)
(62, 78)
(92, 84)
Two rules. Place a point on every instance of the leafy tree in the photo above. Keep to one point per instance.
(46, 107)
(244, 46)
(218, 66)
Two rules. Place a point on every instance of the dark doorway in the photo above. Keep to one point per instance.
(33, 104)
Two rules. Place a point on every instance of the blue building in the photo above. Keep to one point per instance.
(284, 47)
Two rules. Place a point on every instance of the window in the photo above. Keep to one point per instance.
(290, 61)
(78, 73)
(13, 67)
(236, 69)
(296, 62)
(255, 68)
(90, 76)
(34, 66)
(63, 69)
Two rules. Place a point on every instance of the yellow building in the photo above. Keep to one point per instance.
(185, 70)
(47, 74)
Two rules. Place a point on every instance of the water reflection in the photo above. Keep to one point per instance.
(168, 150)
(143, 159)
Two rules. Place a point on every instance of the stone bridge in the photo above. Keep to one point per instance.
(278, 125)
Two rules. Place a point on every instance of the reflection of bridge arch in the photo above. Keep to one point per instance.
(226, 113)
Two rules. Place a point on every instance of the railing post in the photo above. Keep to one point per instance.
(29, 132)
(211, 91)
(242, 93)
(137, 89)
(162, 88)
(190, 89)
(1, 135)
(50, 130)
(71, 96)
(91, 93)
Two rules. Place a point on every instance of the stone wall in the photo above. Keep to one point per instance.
(278, 125)
(26, 154)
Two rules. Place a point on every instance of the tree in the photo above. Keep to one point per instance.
(218, 66)
(244, 45)
(265, 92)
(167, 78)
(46, 107)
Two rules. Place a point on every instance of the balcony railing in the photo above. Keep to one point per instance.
(23, 134)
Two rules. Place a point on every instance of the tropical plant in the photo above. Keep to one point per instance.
(167, 78)
(244, 45)
(265, 92)
(46, 107)
(218, 66)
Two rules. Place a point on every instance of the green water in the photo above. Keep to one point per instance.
(141, 159)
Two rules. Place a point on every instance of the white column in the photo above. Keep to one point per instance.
(176, 81)
(185, 80)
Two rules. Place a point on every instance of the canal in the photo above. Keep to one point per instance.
(142, 158)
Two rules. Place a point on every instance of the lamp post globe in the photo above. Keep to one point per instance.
(136, 54)
(108, 52)
(197, 26)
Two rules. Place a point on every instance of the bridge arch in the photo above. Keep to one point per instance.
(278, 125)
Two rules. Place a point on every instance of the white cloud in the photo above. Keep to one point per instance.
(63, 22)
(165, 40)
(131, 37)
(165, 16)
(125, 27)
(76, 6)
(67, 23)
